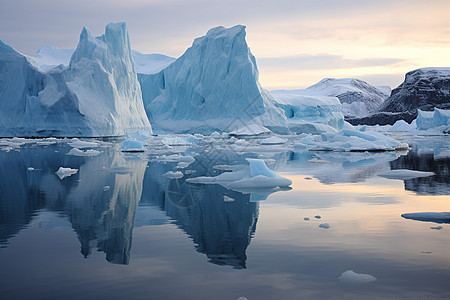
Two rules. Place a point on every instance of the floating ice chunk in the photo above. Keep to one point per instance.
(106, 188)
(132, 146)
(350, 276)
(324, 225)
(227, 198)
(140, 135)
(30, 169)
(273, 140)
(400, 125)
(179, 140)
(78, 152)
(65, 172)
(437, 217)
(216, 135)
(403, 174)
(255, 176)
(76, 143)
(46, 142)
(173, 175)
(355, 140)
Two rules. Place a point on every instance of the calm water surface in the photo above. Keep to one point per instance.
(121, 229)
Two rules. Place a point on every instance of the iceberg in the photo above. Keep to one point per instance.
(65, 172)
(213, 86)
(97, 94)
(350, 276)
(310, 113)
(438, 119)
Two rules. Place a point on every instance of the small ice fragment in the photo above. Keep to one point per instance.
(65, 172)
(30, 169)
(78, 152)
(352, 277)
(317, 217)
(306, 219)
(173, 175)
(324, 225)
(241, 298)
(227, 198)
(437, 227)
(106, 188)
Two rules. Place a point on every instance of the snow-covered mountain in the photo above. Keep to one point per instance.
(423, 89)
(97, 94)
(212, 86)
(358, 98)
(48, 57)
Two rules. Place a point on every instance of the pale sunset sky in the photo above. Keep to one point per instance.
(296, 42)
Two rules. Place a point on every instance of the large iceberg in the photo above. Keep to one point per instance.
(213, 86)
(98, 94)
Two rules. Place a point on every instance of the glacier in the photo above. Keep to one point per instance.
(97, 94)
(213, 86)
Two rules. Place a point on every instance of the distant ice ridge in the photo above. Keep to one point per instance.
(97, 94)
(427, 123)
(48, 57)
(213, 86)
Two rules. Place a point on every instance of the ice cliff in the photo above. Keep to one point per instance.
(98, 94)
(213, 86)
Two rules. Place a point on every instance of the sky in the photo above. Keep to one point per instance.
(296, 42)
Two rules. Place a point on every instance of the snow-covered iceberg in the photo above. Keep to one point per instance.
(97, 94)
(438, 119)
(213, 86)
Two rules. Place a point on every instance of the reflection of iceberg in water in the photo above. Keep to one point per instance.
(98, 215)
(438, 184)
(221, 222)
